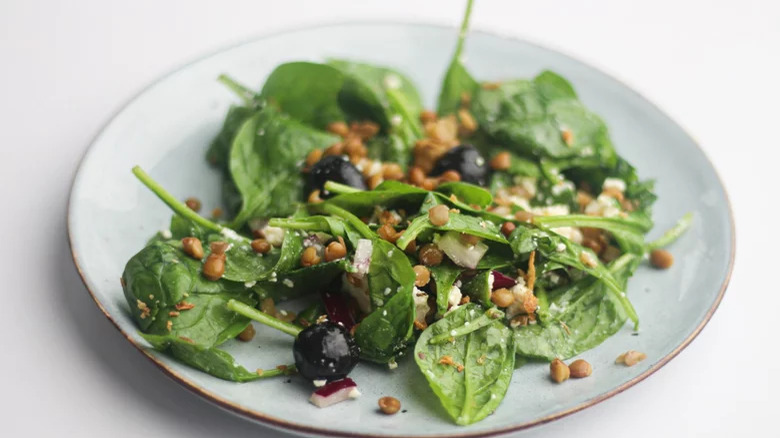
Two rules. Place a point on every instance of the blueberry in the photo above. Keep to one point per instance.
(325, 351)
(333, 168)
(467, 161)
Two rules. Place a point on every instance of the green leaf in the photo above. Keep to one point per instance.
(486, 355)
(444, 276)
(467, 193)
(479, 288)
(460, 223)
(219, 151)
(161, 276)
(384, 333)
(389, 194)
(457, 80)
(264, 163)
(389, 273)
(300, 282)
(210, 360)
(307, 92)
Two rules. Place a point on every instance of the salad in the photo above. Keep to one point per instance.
(502, 227)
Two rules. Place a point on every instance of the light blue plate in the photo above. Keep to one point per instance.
(167, 128)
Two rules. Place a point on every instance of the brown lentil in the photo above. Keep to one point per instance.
(580, 368)
(502, 297)
(450, 176)
(334, 149)
(335, 251)
(416, 175)
(192, 247)
(314, 197)
(469, 239)
(428, 116)
(421, 275)
(431, 255)
(661, 258)
(193, 204)
(524, 216)
(338, 128)
(507, 228)
(559, 371)
(593, 244)
(219, 247)
(261, 246)
(387, 232)
(631, 358)
(501, 161)
(392, 171)
(610, 253)
(467, 121)
(389, 405)
(268, 306)
(428, 184)
(216, 213)
(353, 146)
(364, 130)
(313, 157)
(439, 215)
(214, 266)
(247, 334)
(310, 257)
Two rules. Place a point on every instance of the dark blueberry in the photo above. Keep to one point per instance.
(325, 351)
(467, 161)
(333, 168)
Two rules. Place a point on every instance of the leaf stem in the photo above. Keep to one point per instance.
(582, 220)
(353, 220)
(177, 206)
(673, 233)
(263, 318)
(485, 319)
(294, 224)
(242, 91)
(339, 189)
(464, 28)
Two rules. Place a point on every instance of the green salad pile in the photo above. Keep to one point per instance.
(501, 227)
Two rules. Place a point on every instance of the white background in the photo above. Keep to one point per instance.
(66, 67)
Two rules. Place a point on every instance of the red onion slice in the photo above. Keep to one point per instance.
(334, 392)
(502, 281)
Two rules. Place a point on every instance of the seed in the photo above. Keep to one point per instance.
(631, 358)
(411, 248)
(192, 247)
(431, 255)
(219, 247)
(268, 306)
(313, 157)
(593, 244)
(214, 266)
(507, 228)
(364, 130)
(335, 251)
(501, 161)
(439, 215)
(428, 184)
(314, 197)
(374, 181)
(580, 368)
(524, 216)
(661, 258)
(387, 232)
(467, 121)
(353, 147)
(310, 257)
(247, 334)
(450, 176)
(416, 175)
(261, 246)
(559, 371)
(392, 171)
(422, 275)
(193, 204)
(469, 239)
(428, 116)
(334, 149)
(502, 297)
(389, 405)
(338, 128)
(613, 193)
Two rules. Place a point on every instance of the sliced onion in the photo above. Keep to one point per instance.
(334, 392)
(462, 254)
(502, 281)
(362, 260)
(338, 310)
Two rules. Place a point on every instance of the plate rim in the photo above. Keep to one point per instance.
(279, 423)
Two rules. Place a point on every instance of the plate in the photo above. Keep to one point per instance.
(166, 130)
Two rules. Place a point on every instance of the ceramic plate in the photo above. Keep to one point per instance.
(167, 128)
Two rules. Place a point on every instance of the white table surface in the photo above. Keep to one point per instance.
(66, 67)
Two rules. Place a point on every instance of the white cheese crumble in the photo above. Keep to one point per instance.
(392, 365)
(319, 383)
(396, 120)
(563, 186)
(421, 307)
(614, 183)
(249, 284)
(274, 235)
(455, 295)
(604, 206)
(287, 282)
(166, 234)
(561, 247)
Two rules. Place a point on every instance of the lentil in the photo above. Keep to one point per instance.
(524, 216)
(335, 251)
(501, 161)
(439, 215)
(502, 297)
(559, 371)
(431, 255)
(661, 258)
(507, 228)
(580, 368)
(339, 128)
(219, 247)
(389, 405)
(193, 204)
(261, 246)
(214, 267)
(422, 275)
(313, 157)
(247, 334)
(192, 247)
(310, 257)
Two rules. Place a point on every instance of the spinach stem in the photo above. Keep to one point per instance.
(177, 206)
(242, 91)
(282, 370)
(295, 224)
(338, 188)
(464, 28)
(673, 233)
(263, 318)
(485, 319)
(582, 220)
(353, 220)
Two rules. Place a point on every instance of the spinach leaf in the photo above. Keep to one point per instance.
(530, 117)
(389, 272)
(218, 153)
(384, 333)
(482, 362)
(264, 163)
(306, 91)
(210, 360)
(579, 317)
(444, 276)
(389, 194)
(479, 287)
(467, 193)
(300, 282)
(457, 80)
(458, 222)
(161, 279)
